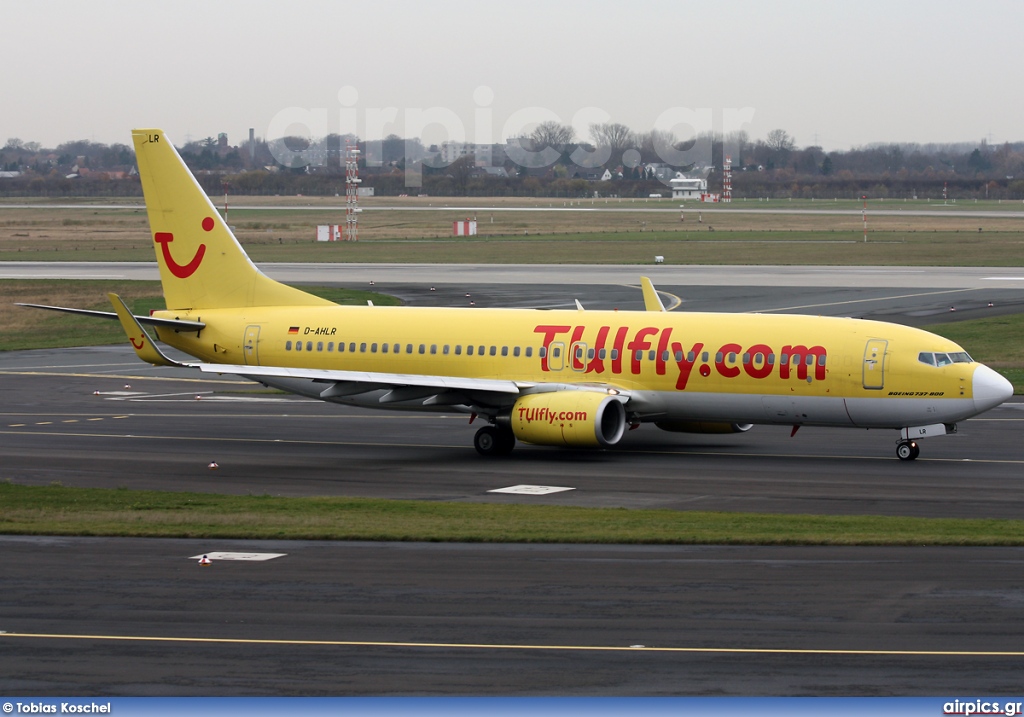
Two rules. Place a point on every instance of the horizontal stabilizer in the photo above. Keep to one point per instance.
(176, 324)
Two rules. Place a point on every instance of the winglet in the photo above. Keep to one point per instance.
(652, 302)
(144, 347)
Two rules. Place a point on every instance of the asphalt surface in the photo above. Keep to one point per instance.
(424, 619)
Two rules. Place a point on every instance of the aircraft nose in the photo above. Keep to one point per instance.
(990, 389)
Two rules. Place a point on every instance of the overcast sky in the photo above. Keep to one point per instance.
(829, 73)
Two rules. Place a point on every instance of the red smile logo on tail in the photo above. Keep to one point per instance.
(138, 346)
(182, 271)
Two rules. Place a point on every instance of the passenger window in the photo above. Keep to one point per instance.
(515, 351)
(445, 349)
(719, 357)
(352, 347)
(504, 350)
(771, 359)
(287, 345)
(556, 351)
(494, 351)
(639, 356)
(602, 354)
(615, 354)
(821, 360)
(590, 354)
(784, 359)
(529, 351)
(746, 358)
(423, 348)
(458, 349)
(384, 348)
(433, 349)
(309, 346)
(319, 345)
(691, 357)
(542, 351)
(651, 355)
(341, 347)
(809, 360)
(298, 346)
(330, 347)
(732, 357)
(373, 348)
(408, 348)
(704, 357)
(679, 357)
(480, 352)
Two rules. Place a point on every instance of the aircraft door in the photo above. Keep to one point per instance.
(556, 356)
(578, 356)
(874, 364)
(250, 346)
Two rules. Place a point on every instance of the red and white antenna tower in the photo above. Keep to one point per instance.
(727, 179)
(351, 191)
(864, 214)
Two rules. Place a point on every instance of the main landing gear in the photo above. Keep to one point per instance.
(494, 441)
(907, 450)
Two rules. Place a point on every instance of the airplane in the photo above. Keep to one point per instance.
(573, 378)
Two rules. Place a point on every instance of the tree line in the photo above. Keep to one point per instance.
(557, 164)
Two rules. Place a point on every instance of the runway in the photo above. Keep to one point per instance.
(425, 619)
(575, 275)
(421, 619)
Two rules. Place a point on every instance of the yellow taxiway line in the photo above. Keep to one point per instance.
(505, 646)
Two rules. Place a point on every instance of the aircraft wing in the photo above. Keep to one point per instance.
(351, 383)
(405, 387)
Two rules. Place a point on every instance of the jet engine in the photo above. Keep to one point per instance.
(581, 419)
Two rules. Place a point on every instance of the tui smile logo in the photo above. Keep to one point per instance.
(182, 271)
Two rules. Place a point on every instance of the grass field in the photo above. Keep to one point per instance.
(58, 510)
(419, 231)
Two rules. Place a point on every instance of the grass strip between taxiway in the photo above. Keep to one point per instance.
(59, 510)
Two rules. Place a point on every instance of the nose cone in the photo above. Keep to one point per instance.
(990, 389)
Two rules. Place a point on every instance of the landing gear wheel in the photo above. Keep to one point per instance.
(907, 450)
(494, 441)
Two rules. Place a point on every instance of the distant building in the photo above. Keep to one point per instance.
(452, 151)
(684, 187)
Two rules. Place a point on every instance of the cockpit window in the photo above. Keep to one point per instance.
(944, 359)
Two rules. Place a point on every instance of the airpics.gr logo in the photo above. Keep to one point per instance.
(182, 271)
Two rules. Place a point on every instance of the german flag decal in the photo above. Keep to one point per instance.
(293, 330)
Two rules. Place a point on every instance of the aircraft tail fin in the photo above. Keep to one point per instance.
(202, 265)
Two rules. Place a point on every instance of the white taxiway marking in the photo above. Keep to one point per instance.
(1003, 278)
(239, 556)
(531, 489)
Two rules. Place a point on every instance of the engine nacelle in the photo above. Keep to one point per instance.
(703, 427)
(569, 418)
